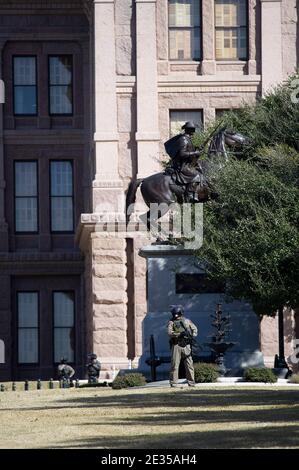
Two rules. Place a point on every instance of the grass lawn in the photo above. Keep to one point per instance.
(161, 418)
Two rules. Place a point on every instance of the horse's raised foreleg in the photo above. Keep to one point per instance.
(152, 216)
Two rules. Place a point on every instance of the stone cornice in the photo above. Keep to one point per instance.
(49, 136)
(42, 5)
(156, 251)
(202, 84)
(40, 257)
(42, 263)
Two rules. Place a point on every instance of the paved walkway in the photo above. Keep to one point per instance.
(224, 381)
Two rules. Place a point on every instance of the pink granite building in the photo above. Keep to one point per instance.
(92, 90)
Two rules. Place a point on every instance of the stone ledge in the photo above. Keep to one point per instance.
(41, 256)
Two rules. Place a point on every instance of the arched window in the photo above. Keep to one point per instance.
(231, 23)
(184, 22)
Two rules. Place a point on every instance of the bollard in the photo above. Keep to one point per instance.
(77, 383)
(51, 384)
(14, 387)
(26, 386)
(2, 388)
(39, 384)
(60, 384)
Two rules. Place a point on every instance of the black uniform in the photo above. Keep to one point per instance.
(93, 370)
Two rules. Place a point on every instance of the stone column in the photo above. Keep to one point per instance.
(3, 224)
(271, 43)
(5, 326)
(109, 286)
(269, 337)
(107, 186)
(252, 37)
(147, 135)
(208, 34)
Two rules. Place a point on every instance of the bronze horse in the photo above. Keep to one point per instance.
(160, 189)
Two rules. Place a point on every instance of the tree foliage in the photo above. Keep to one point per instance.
(251, 236)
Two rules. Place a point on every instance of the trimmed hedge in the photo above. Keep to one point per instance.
(135, 379)
(91, 385)
(255, 374)
(205, 373)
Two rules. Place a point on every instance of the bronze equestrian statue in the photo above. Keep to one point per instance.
(185, 178)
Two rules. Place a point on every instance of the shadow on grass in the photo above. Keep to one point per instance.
(190, 398)
(268, 418)
(199, 408)
(271, 437)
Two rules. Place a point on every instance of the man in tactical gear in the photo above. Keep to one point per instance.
(93, 369)
(185, 170)
(65, 371)
(181, 331)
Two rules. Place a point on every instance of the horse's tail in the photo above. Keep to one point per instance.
(131, 194)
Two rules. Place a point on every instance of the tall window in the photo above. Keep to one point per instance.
(62, 203)
(178, 118)
(61, 84)
(184, 20)
(231, 29)
(25, 90)
(64, 322)
(27, 311)
(26, 193)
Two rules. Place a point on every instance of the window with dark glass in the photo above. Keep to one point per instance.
(197, 283)
(62, 203)
(61, 84)
(26, 194)
(25, 89)
(231, 29)
(177, 118)
(220, 112)
(27, 317)
(184, 22)
(64, 323)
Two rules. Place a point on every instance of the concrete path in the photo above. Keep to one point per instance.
(224, 381)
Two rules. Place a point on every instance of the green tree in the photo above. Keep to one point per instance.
(251, 237)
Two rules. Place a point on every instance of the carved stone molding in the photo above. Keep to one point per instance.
(41, 5)
(42, 263)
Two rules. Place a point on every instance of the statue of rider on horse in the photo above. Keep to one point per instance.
(185, 169)
(185, 179)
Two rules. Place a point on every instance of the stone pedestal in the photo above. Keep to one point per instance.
(163, 264)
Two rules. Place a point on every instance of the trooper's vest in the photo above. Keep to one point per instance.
(94, 369)
(181, 326)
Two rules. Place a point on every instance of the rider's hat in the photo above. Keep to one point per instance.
(190, 125)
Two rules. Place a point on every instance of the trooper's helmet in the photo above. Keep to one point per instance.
(92, 356)
(176, 311)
